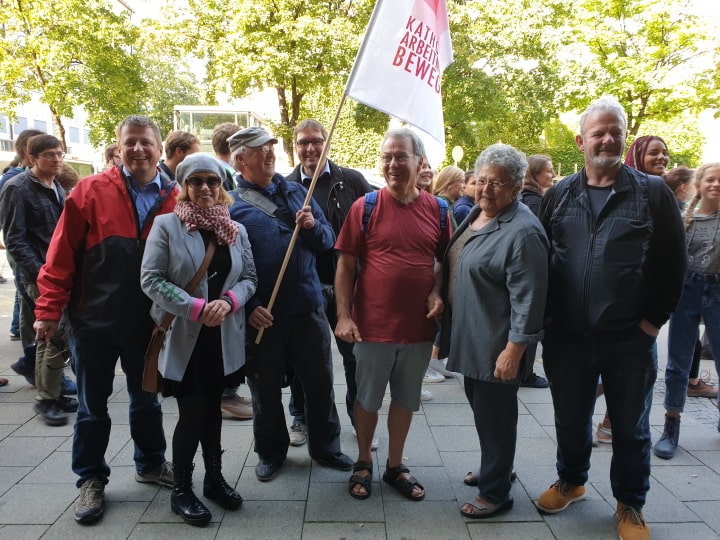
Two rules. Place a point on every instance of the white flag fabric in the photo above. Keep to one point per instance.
(400, 64)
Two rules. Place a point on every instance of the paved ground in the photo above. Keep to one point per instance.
(37, 489)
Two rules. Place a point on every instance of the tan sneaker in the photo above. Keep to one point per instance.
(238, 407)
(603, 434)
(298, 434)
(631, 524)
(559, 496)
(90, 504)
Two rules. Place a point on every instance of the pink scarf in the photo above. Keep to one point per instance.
(215, 219)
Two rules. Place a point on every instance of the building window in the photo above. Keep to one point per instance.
(74, 135)
(3, 124)
(86, 136)
(20, 125)
(41, 125)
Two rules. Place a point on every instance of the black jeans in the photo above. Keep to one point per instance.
(303, 343)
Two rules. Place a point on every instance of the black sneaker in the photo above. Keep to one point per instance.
(51, 412)
(68, 404)
(534, 381)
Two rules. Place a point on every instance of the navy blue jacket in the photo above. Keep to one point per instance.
(300, 291)
(30, 212)
(629, 264)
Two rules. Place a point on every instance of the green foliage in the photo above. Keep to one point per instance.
(657, 57)
(69, 52)
(294, 46)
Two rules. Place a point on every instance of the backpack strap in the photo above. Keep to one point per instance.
(371, 200)
(444, 208)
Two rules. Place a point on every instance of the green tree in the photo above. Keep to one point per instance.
(503, 84)
(293, 46)
(656, 56)
(69, 53)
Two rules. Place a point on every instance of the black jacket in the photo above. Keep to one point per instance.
(346, 186)
(30, 211)
(607, 275)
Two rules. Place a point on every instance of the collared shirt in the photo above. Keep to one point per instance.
(145, 196)
(304, 176)
(321, 192)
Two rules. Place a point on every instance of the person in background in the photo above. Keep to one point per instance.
(465, 203)
(68, 178)
(495, 278)
(112, 156)
(449, 185)
(336, 189)
(30, 204)
(93, 270)
(679, 180)
(426, 175)
(538, 179)
(178, 145)
(219, 138)
(19, 163)
(201, 355)
(700, 299)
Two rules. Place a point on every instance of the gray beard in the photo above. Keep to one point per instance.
(605, 162)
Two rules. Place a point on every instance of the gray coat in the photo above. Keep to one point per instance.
(500, 290)
(172, 257)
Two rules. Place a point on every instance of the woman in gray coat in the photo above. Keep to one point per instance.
(204, 348)
(495, 286)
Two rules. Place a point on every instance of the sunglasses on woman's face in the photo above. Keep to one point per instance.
(196, 182)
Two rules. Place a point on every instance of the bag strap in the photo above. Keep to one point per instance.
(194, 282)
(371, 200)
(265, 205)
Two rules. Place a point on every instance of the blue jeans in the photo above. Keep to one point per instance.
(700, 299)
(94, 360)
(627, 363)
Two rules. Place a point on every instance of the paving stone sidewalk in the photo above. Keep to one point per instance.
(37, 490)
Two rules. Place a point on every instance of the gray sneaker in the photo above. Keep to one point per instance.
(163, 476)
(298, 434)
(89, 506)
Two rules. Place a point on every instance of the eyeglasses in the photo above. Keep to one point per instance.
(196, 182)
(493, 185)
(400, 158)
(304, 143)
(265, 148)
(52, 155)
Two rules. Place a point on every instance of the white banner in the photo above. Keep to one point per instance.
(400, 64)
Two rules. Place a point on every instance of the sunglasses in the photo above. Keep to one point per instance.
(196, 182)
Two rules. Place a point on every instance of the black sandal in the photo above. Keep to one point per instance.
(363, 481)
(404, 486)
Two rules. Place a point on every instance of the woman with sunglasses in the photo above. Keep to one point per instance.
(201, 355)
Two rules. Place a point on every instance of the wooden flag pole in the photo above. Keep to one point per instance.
(308, 198)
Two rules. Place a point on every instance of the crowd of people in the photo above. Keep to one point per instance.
(245, 274)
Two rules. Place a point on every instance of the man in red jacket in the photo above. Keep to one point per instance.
(93, 270)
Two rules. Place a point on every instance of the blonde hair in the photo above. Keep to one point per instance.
(446, 178)
(699, 175)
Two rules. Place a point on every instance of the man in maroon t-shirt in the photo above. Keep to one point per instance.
(394, 300)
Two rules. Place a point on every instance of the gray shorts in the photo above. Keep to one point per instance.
(403, 365)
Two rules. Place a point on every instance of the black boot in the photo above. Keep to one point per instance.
(184, 502)
(215, 487)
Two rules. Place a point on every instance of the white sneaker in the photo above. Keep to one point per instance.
(439, 367)
(432, 376)
(298, 434)
(425, 395)
(374, 444)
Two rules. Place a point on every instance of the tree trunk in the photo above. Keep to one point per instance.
(59, 128)
(285, 125)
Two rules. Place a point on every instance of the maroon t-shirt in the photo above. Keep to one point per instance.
(397, 254)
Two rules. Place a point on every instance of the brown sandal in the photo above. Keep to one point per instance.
(404, 486)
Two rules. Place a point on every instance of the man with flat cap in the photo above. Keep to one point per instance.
(296, 333)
